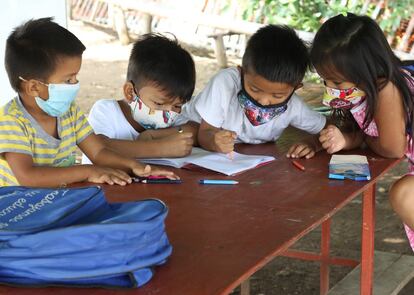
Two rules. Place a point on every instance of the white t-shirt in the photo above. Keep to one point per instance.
(107, 118)
(218, 105)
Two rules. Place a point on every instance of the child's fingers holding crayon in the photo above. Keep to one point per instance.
(224, 141)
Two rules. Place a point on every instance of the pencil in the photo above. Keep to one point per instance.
(298, 165)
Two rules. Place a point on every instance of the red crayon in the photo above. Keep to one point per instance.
(298, 165)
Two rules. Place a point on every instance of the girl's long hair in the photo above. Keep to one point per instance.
(354, 49)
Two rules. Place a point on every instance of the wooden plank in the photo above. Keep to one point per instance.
(391, 273)
(215, 21)
(396, 277)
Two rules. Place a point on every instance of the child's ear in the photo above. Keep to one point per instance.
(129, 92)
(300, 85)
(32, 88)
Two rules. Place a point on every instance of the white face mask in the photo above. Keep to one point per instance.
(151, 119)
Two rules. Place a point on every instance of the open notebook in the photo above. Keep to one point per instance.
(214, 161)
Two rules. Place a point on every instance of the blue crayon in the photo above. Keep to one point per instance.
(217, 181)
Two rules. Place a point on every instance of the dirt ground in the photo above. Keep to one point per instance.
(102, 76)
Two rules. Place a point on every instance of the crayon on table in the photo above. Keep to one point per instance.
(298, 165)
(217, 181)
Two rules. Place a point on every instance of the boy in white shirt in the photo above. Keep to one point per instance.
(255, 103)
(147, 123)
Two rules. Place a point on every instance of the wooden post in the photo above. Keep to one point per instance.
(406, 38)
(111, 16)
(378, 9)
(147, 19)
(120, 25)
(367, 240)
(325, 252)
(220, 51)
(69, 12)
(365, 6)
(245, 287)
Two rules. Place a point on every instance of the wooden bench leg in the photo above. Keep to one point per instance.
(147, 18)
(245, 287)
(220, 51)
(367, 240)
(325, 249)
(120, 25)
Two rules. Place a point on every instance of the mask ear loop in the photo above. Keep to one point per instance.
(136, 95)
(24, 80)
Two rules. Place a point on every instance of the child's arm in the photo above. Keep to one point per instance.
(28, 174)
(190, 127)
(95, 150)
(176, 145)
(390, 119)
(215, 139)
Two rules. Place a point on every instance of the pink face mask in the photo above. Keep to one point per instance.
(343, 98)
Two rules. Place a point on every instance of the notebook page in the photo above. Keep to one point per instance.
(224, 164)
(214, 161)
(177, 162)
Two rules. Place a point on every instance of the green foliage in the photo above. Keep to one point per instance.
(308, 15)
(395, 11)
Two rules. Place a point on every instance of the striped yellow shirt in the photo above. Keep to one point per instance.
(20, 133)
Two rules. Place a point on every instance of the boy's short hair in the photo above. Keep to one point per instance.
(277, 54)
(159, 60)
(34, 48)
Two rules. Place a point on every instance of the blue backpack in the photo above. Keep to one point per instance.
(73, 237)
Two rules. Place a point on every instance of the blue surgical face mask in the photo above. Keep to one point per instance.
(60, 98)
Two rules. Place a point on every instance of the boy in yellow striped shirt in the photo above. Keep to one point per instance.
(40, 129)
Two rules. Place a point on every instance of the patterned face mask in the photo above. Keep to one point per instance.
(259, 114)
(343, 98)
(151, 119)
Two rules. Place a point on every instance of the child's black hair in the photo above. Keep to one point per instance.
(277, 54)
(354, 49)
(162, 61)
(34, 48)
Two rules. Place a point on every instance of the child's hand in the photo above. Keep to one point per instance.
(179, 144)
(145, 135)
(224, 141)
(332, 139)
(147, 170)
(300, 150)
(108, 175)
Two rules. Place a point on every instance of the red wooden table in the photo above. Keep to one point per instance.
(221, 235)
